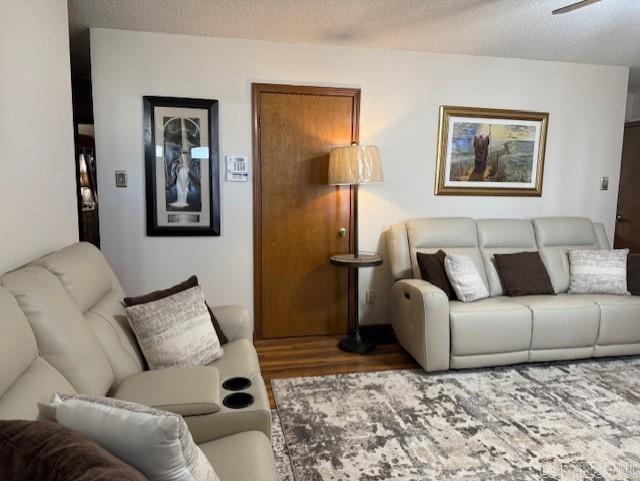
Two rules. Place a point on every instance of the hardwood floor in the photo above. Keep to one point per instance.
(318, 356)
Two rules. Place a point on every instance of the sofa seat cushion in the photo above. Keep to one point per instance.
(244, 456)
(494, 325)
(188, 391)
(562, 321)
(239, 359)
(619, 318)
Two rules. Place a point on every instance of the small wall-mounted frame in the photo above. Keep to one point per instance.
(237, 168)
(121, 179)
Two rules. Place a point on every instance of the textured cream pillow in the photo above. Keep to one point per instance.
(157, 443)
(465, 278)
(176, 330)
(598, 271)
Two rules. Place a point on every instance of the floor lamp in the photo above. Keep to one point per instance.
(354, 165)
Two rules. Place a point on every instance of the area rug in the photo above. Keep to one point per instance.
(280, 450)
(558, 421)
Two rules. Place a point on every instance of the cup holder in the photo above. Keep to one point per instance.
(238, 400)
(236, 384)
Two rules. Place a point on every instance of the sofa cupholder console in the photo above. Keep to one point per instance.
(236, 384)
(238, 400)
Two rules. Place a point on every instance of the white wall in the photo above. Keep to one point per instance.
(633, 106)
(37, 180)
(401, 93)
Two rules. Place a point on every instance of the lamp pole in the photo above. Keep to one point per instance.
(355, 222)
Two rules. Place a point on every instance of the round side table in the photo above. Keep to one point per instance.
(354, 342)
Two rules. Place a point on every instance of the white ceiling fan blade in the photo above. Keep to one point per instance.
(573, 6)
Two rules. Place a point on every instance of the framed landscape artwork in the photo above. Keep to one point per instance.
(490, 152)
(182, 168)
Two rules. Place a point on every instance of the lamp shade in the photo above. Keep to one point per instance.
(355, 164)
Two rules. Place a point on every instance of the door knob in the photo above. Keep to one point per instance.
(619, 218)
(342, 232)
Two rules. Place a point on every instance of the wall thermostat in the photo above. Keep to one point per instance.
(237, 168)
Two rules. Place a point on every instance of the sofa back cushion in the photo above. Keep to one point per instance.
(62, 334)
(25, 378)
(86, 276)
(454, 235)
(555, 237)
(503, 236)
(83, 272)
(399, 254)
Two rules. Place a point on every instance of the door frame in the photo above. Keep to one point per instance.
(629, 124)
(256, 90)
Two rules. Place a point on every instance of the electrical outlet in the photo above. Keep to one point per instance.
(370, 296)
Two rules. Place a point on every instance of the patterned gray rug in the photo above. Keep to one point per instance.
(280, 450)
(560, 421)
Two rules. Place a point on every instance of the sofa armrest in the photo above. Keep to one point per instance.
(235, 322)
(227, 421)
(420, 319)
(188, 391)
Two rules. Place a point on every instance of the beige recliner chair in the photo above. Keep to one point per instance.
(500, 330)
(63, 328)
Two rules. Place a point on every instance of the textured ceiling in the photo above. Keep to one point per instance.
(607, 32)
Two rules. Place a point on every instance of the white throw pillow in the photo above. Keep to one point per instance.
(598, 271)
(157, 443)
(465, 278)
(176, 330)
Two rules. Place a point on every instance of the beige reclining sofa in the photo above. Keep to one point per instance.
(501, 330)
(63, 328)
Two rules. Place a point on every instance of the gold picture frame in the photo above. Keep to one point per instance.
(490, 152)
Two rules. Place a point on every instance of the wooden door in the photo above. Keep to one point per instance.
(297, 215)
(628, 215)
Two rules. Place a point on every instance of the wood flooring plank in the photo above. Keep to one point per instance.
(320, 356)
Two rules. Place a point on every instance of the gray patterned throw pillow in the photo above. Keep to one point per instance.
(598, 271)
(176, 330)
(465, 278)
(157, 443)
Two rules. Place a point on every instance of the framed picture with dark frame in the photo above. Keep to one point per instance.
(181, 166)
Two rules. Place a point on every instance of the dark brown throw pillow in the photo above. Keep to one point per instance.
(183, 286)
(46, 451)
(432, 270)
(523, 274)
(633, 274)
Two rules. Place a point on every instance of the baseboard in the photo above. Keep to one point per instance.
(379, 333)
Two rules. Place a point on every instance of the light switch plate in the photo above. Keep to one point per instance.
(604, 183)
(121, 178)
